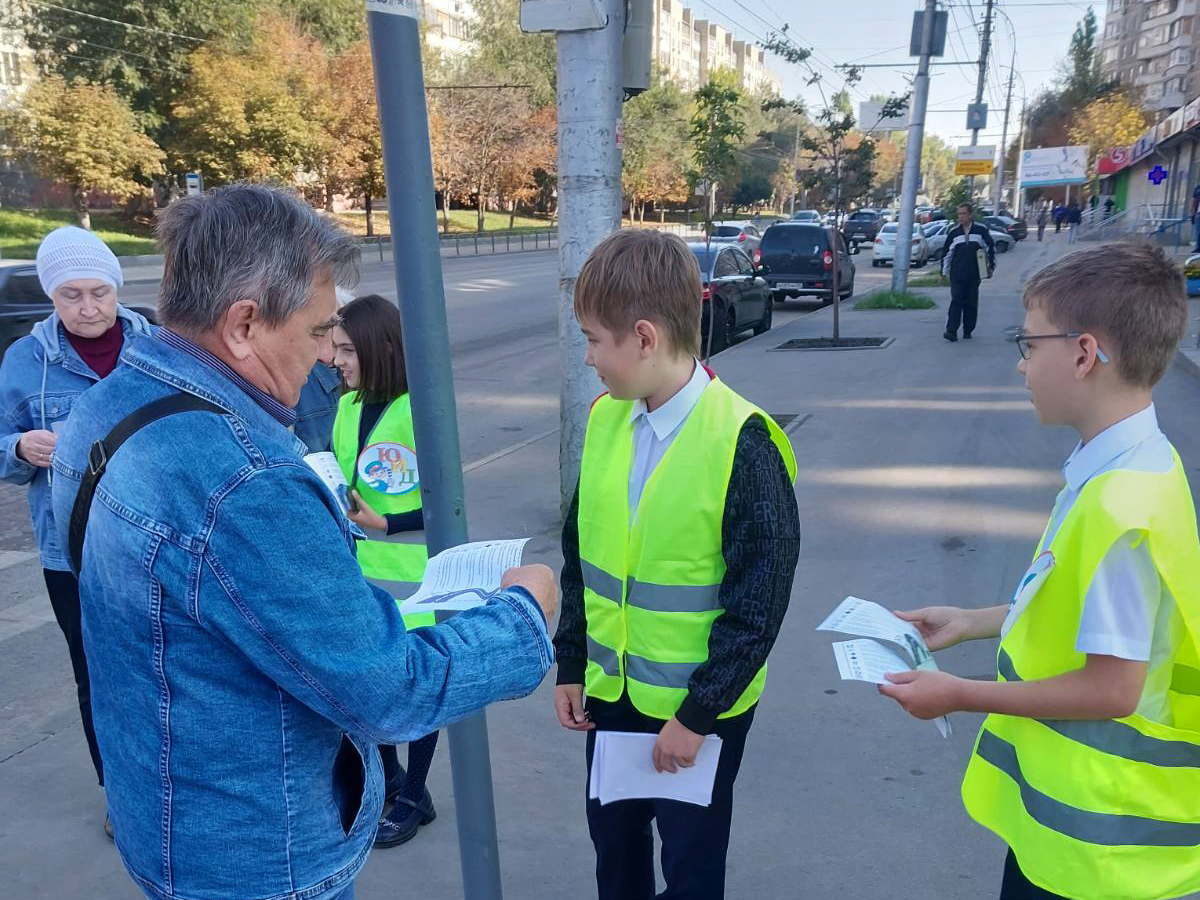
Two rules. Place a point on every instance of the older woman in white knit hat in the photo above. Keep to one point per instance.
(41, 376)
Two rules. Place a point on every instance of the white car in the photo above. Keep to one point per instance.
(935, 237)
(885, 246)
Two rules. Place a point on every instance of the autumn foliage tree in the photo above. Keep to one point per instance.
(85, 136)
(656, 153)
(355, 160)
(1114, 120)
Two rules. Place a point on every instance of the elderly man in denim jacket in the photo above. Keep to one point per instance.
(243, 669)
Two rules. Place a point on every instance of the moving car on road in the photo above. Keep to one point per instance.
(1017, 228)
(935, 237)
(861, 227)
(744, 234)
(735, 293)
(808, 215)
(798, 260)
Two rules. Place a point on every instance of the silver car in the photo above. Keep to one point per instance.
(744, 234)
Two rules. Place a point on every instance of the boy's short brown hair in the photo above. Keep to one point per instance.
(640, 273)
(1130, 295)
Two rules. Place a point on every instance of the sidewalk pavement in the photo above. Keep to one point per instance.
(923, 478)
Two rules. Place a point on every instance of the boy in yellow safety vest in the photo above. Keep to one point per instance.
(1088, 765)
(680, 549)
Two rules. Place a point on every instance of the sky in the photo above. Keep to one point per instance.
(872, 31)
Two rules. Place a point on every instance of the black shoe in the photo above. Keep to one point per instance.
(950, 336)
(108, 832)
(394, 785)
(401, 825)
(966, 335)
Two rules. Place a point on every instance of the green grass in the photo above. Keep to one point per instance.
(462, 221)
(22, 230)
(894, 300)
(928, 281)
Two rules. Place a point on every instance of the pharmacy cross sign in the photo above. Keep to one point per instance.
(1158, 175)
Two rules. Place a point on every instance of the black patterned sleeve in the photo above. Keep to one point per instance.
(760, 540)
(570, 640)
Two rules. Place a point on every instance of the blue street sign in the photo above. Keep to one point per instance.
(1158, 175)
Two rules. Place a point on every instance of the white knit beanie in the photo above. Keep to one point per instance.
(70, 253)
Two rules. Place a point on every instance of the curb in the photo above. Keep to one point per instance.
(1188, 359)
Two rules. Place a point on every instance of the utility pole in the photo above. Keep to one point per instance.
(589, 191)
(404, 124)
(985, 45)
(912, 153)
(1018, 191)
(1012, 71)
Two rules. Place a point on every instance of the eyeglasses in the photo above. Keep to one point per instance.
(1023, 342)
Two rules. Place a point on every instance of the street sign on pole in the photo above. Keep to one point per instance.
(978, 160)
(938, 48)
(977, 116)
(561, 15)
(394, 28)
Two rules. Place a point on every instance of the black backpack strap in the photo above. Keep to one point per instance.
(102, 451)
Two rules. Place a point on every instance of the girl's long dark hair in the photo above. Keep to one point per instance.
(373, 325)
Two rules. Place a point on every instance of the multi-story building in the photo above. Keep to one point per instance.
(1152, 45)
(688, 50)
(16, 66)
(448, 25)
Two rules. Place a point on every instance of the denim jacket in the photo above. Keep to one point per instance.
(242, 668)
(318, 408)
(40, 379)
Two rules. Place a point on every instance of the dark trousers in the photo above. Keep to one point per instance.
(64, 600)
(964, 305)
(1041, 230)
(695, 839)
(1017, 887)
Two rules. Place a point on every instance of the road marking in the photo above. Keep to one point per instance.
(23, 617)
(500, 454)
(15, 557)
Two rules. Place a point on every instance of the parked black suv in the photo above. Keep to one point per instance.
(23, 303)
(861, 227)
(798, 258)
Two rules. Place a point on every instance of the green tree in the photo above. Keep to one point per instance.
(509, 55)
(336, 24)
(716, 129)
(1111, 121)
(260, 112)
(957, 194)
(85, 136)
(1081, 78)
(355, 160)
(654, 160)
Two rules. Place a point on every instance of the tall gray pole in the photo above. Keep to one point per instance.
(985, 44)
(912, 154)
(589, 195)
(1012, 71)
(404, 122)
(1018, 191)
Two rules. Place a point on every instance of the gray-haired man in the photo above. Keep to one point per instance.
(243, 669)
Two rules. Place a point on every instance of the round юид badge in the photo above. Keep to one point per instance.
(389, 468)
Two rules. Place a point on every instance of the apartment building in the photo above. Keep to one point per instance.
(1152, 45)
(751, 65)
(688, 50)
(16, 66)
(448, 25)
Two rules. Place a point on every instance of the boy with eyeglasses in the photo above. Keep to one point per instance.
(1088, 765)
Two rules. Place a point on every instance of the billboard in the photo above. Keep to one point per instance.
(868, 115)
(1112, 162)
(1054, 165)
(975, 160)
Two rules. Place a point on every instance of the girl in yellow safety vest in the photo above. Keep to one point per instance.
(373, 443)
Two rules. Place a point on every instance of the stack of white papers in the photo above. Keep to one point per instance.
(868, 660)
(623, 769)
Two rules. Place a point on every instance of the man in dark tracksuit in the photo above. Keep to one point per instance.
(960, 264)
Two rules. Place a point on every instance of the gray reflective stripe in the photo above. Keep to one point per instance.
(604, 657)
(659, 674)
(403, 537)
(1104, 829)
(600, 582)
(692, 598)
(1113, 737)
(401, 590)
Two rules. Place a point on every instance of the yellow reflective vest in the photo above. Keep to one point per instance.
(385, 475)
(1100, 810)
(651, 585)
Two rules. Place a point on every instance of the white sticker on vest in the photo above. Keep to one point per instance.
(1035, 576)
(389, 468)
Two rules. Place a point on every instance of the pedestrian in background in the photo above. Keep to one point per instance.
(1042, 217)
(960, 263)
(317, 409)
(41, 378)
(374, 445)
(1086, 765)
(244, 669)
(1109, 204)
(1060, 215)
(680, 549)
(1196, 216)
(1074, 220)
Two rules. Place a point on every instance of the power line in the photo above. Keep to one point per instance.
(77, 12)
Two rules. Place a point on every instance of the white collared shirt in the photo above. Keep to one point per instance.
(654, 431)
(1127, 612)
